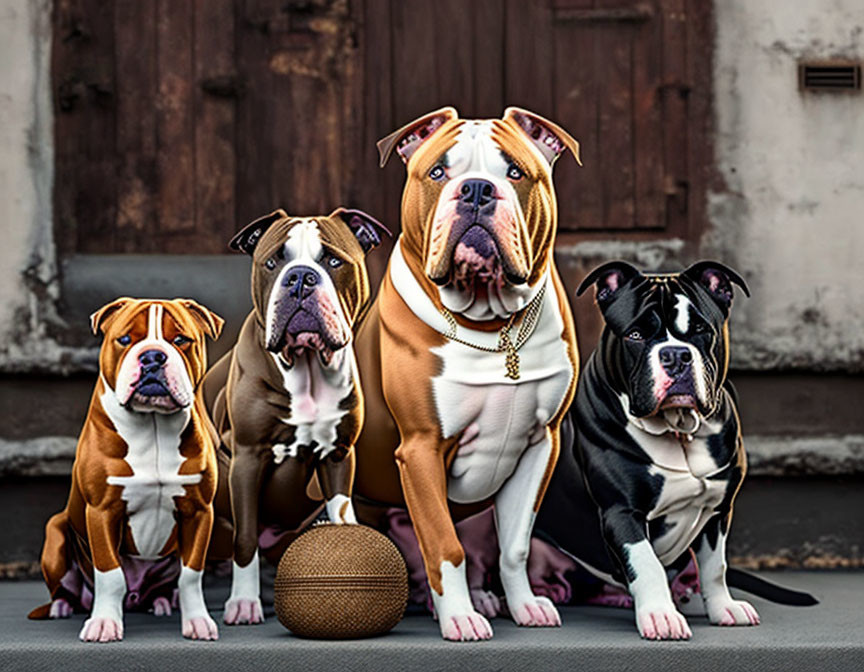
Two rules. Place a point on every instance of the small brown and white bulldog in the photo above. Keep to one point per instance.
(144, 475)
(468, 355)
(286, 399)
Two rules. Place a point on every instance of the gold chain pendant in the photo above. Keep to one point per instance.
(511, 361)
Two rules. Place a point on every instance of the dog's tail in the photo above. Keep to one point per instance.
(737, 578)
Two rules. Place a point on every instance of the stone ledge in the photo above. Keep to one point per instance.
(41, 456)
(767, 456)
(826, 637)
(805, 456)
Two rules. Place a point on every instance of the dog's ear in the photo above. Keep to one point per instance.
(546, 135)
(717, 279)
(413, 134)
(248, 237)
(102, 317)
(209, 321)
(609, 278)
(364, 227)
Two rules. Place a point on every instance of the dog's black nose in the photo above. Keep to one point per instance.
(675, 359)
(152, 360)
(301, 281)
(477, 192)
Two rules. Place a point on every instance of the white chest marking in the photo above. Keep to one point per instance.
(153, 455)
(316, 397)
(495, 417)
(689, 495)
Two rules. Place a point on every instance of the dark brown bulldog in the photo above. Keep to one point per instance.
(286, 399)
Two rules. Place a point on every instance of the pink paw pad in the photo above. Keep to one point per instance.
(243, 612)
(663, 624)
(60, 609)
(202, 628)
(161, 607)
(101, 630)
(467, 628)
(739, 613)
(486, 602)
(540, 613)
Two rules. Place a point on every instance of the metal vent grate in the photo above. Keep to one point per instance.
(829, 76)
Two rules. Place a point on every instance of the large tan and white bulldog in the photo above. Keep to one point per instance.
(468, 355)
(286, 398)
(144, 476)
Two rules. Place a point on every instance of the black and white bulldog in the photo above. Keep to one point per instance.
(658, 452)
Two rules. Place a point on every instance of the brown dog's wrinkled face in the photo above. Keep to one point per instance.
(309, 279)
(479, 209)
(153, 355)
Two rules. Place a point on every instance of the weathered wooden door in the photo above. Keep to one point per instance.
(179, 120)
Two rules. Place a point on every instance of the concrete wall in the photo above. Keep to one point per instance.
(784, 212)
(28, 285)
(790, 215)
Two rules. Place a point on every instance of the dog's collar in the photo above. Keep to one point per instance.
(424, 308)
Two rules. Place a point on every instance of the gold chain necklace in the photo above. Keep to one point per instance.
(506, 343)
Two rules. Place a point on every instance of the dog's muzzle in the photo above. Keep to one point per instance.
(304, 318)
(154, 391)
(475, 240)
(677, 363)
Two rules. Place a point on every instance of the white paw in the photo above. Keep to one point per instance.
(662, 622)
(101, 630)
(465, 627)
(243, 611)
(200, 627)
(486, 602)
(536, 612)
(161, 607)
(732, 612)
(60, 609)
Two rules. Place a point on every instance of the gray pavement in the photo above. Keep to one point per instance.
(826, 637)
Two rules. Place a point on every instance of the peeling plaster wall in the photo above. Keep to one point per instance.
(790, 215)
(785, 210)
(28, 278)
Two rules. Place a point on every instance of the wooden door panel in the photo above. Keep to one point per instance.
(609, 67)
(177, 121)
(294, 139)
(218, 86)
(84, 93)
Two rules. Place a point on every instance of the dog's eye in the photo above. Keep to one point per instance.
(700, 328)
(180, 340)
(270, 264)
(126, 339)
(334, 262)
(634, 335)
(437, 173)
(515, 173)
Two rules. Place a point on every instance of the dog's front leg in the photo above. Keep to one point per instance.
(196, 524)
(424, 481)
(245, 477)
(336, 475)
(656, 616)
(720, 607)
(109, 583)
(516, 506)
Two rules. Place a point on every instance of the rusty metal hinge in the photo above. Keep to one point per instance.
(677, 189)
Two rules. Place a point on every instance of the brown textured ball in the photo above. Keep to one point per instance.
(341, 582)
